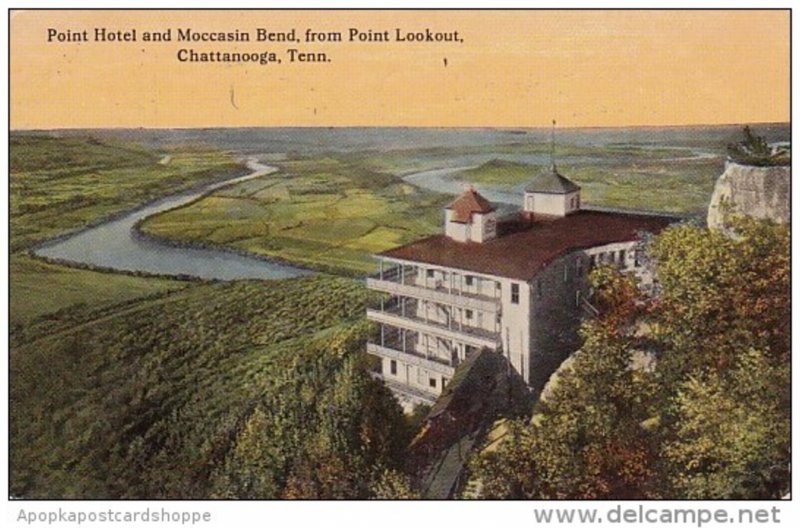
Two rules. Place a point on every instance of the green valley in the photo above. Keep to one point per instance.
(327, 213)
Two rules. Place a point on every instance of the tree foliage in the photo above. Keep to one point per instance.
(587, 440)
(754, 150)
(239, 390)
(708, 417)
(732, 436)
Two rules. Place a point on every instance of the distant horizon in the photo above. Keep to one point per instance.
(431, 127)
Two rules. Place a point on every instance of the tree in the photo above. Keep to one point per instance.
(395, 485)
(360, 433)
(754, 150)
(709, 418)
(589, 439)
(721, 295)
(732, 439)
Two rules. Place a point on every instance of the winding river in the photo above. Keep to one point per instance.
(114, 244)
(441, 180)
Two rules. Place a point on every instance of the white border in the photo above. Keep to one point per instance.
(349, 514)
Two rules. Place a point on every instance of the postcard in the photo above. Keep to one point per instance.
(401, 255)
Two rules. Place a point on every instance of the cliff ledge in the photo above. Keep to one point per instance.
(759, 192)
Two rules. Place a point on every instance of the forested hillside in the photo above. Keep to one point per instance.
(706, 417)
(244, 389)
(125, 386)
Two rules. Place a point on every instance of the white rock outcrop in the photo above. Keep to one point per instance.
(759, 192)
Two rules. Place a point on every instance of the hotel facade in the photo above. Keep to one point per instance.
(516, 285)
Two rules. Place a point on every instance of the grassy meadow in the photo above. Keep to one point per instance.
(327, 213)
(143, 387)
(647, 183)
(62, 184)
(150, 399)
(45, 292)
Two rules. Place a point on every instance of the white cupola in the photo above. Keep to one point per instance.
(551, 194)
(470, 218)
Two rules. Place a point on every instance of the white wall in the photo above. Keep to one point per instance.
(552, 204)
(413, 376)
(481, 227)
(455, 230)
(515, 326)
(484, 227)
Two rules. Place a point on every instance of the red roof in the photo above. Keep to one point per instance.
(522, 253)
(466, 204)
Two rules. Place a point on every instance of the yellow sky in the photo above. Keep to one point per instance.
(514, 68)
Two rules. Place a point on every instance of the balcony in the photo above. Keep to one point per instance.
(469, 335)
(406, 281)
(430, 364)
(408, 393)
(439, 295)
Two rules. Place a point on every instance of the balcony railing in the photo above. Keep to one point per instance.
(407, 392)
(429, 363)
(440, 295)
(467, 334)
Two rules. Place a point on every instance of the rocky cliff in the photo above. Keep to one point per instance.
(760, 192)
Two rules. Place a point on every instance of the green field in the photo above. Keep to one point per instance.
(328, 213)
(143, 387)
(405, 161)
(44, 292)
(62, 184)
(649, 184)
(154, 398)
(331, 212)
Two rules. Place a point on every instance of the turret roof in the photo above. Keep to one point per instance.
(468, 203)
(551, 182)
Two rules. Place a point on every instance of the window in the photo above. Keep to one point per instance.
(430, 273)
(621, 256)
(637, 258)
(432, 382)
(470, 280)
(393, 367)
(515, 294)
(566, 272)
(539, 287)
(579, 266)
(468, 314)
(593, 262)
(577, 298)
